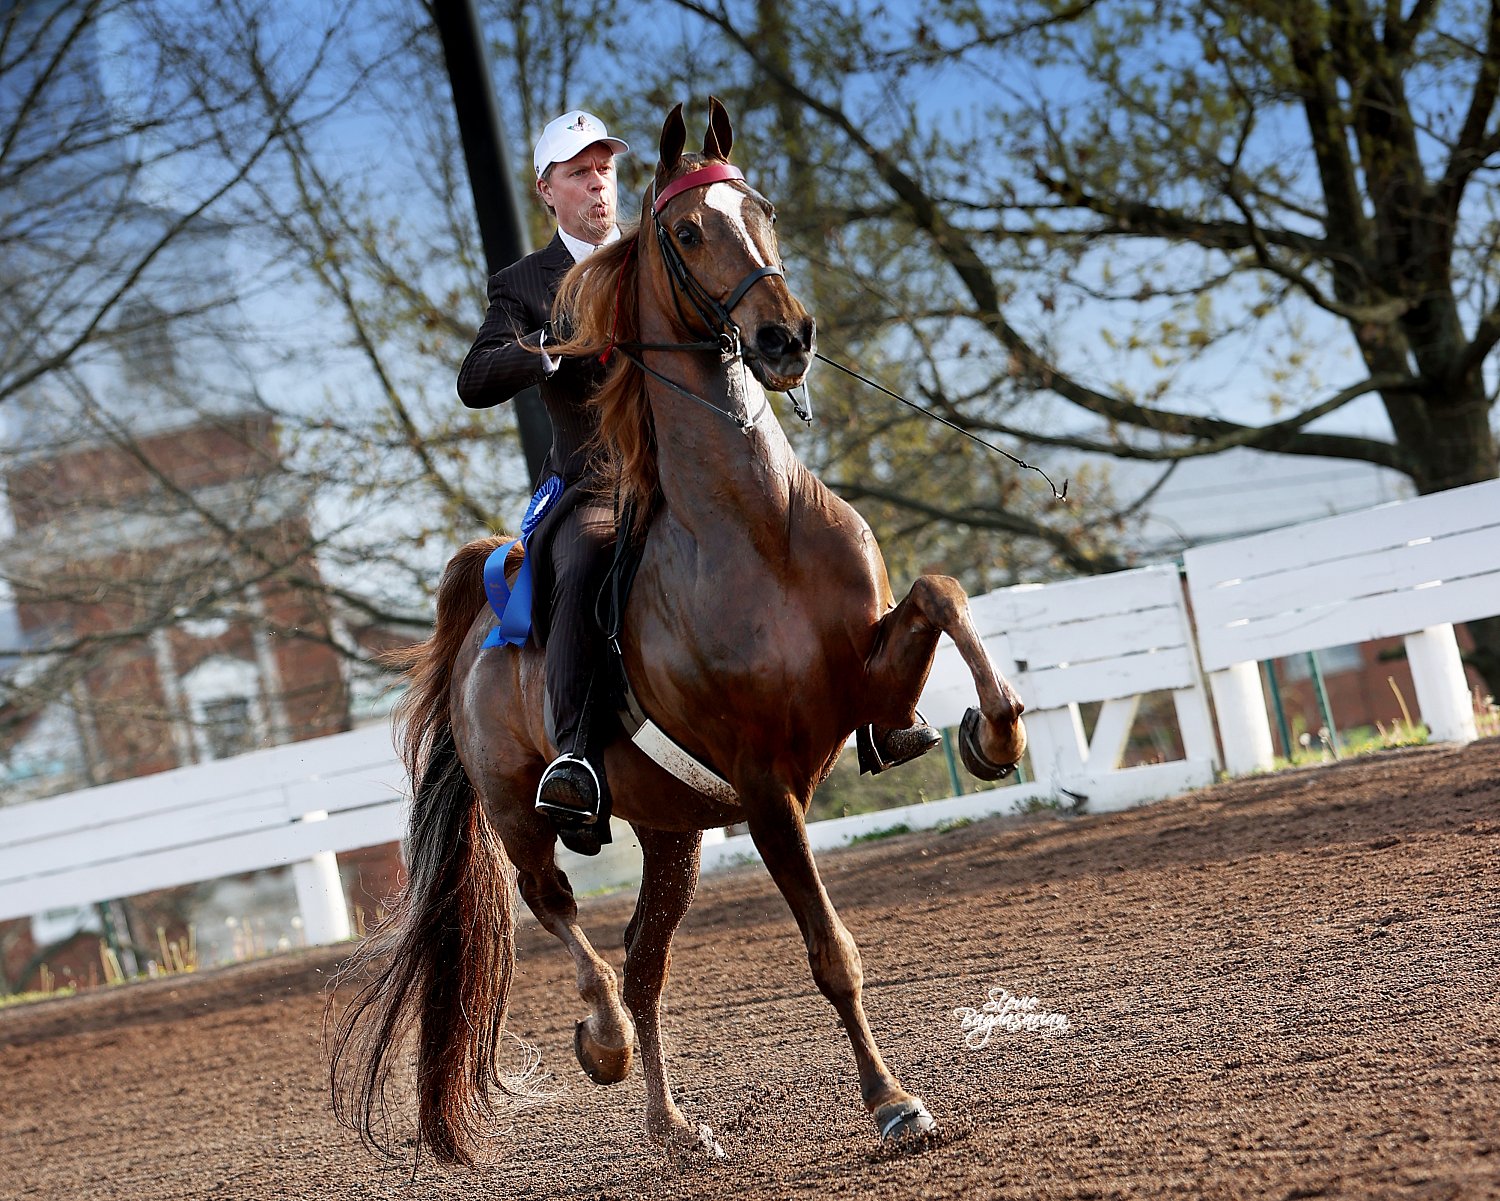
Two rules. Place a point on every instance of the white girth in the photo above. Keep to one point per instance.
(661, 750)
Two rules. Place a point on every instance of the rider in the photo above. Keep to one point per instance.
(575, 180)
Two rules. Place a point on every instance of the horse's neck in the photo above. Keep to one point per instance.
(749, 506)
(713, 474)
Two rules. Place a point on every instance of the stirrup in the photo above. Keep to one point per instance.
(902, 746)
(568, 813)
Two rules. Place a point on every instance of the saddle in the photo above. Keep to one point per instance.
(637, 725)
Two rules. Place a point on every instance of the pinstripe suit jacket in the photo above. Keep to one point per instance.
(499, 365)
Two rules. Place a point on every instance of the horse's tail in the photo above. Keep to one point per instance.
(441, 962)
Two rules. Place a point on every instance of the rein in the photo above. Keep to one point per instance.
(911, 404)
(743, 424)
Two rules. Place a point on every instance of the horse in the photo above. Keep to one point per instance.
(760, 632)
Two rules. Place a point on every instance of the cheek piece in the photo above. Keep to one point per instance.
(714, 312)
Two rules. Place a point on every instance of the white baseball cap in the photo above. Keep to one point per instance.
(567, 135)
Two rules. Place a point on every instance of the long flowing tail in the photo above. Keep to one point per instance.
(440, 964)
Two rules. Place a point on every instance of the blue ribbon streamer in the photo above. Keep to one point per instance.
(512, 605)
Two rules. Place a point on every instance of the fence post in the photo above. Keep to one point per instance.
(320, 894)
(1243, 727)
(1056, 742)
(1437, 670)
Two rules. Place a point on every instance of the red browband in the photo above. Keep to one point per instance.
(701, 178)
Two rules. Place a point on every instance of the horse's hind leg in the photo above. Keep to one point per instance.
(777, 828)
(992, 739)
(603, 1040)
(669, 878)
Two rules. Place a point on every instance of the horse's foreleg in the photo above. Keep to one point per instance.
(907, 638)
(603, 1041)
(777, 828)
(669, 878)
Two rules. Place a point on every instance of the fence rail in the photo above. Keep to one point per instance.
(296, 804)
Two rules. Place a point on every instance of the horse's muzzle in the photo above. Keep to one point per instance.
(783, 352)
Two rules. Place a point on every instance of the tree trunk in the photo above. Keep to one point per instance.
(1460, 449)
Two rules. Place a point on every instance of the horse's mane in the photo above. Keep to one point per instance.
(598, 298)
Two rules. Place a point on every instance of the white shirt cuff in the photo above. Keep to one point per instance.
(549, 364)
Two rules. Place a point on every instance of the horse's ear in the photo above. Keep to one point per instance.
(720, 135)
(673, 139)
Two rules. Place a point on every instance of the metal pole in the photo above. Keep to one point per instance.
(955, 781)
(1280, 708)
(1323, 706)
(501, 228)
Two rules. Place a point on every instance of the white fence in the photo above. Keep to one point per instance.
(1110, 639)
(296, 804)
(1410, 569)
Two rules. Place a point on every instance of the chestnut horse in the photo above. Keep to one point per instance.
(760, 632)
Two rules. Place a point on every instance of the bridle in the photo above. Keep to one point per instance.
(713, 312)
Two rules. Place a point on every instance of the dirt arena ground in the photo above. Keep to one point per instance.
(1285, 987)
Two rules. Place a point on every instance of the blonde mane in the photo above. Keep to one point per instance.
(598, 297)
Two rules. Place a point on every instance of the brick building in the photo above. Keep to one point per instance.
(173, 572)
(178, 567)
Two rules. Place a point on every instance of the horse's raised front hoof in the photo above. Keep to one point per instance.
(602, 1065)
(975, 760)
(903, 1119)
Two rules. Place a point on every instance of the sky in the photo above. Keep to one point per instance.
(1240, 492)
(1205, 499)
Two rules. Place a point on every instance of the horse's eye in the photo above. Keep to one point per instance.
(687, 234)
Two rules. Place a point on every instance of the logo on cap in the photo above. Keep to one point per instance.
(583, 124)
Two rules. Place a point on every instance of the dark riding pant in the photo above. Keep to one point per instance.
(576, 672)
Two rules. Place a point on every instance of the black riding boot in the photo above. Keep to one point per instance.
(574, 794)
(574, 791)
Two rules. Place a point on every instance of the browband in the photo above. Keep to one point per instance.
(701, 178)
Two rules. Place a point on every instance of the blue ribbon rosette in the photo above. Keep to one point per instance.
(512, 605)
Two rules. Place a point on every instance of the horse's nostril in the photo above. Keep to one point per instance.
(777, 341)
(773, 341)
